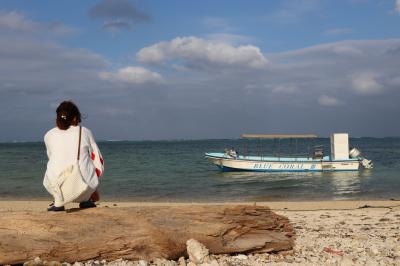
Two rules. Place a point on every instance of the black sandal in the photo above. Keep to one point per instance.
(87, 204)
(56, 209)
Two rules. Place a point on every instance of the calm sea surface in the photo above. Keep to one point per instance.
(178, 171)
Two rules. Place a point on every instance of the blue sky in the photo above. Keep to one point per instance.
(201, 69)
(273, 25)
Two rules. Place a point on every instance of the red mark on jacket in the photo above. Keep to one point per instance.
(98, 172)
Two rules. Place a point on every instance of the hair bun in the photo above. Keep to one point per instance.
(67, 114)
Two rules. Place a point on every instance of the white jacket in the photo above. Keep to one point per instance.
(62, 151)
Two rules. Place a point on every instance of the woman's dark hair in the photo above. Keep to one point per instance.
(67, 111)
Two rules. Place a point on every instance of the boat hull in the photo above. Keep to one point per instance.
(277, 165)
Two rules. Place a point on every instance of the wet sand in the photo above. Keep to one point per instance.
(24, 205)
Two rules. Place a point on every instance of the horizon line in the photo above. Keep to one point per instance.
(179, 139)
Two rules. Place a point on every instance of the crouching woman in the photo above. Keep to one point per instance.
(62, 149)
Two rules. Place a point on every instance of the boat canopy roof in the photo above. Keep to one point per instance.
(278, 136)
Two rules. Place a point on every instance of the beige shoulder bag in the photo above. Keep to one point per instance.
(70, 181)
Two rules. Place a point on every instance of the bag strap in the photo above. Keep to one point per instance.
(79, 143)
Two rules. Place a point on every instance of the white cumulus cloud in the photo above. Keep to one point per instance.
(132, 75)
(326, 100)
(196, 51)
(365, 83)
(397, 6)
(15, 21)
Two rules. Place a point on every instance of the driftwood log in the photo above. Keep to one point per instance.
(140, 232)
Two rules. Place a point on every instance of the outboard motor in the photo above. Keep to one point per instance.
(367, 164)
(355, 153)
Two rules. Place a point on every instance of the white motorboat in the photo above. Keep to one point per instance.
(340, 159)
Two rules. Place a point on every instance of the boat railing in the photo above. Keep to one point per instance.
(295, 157)
(285, 148)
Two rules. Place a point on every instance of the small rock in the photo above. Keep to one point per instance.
(241, 257)
(78, 264)
(89, 263)
(182, 261)
(373, 251)
(289, 259)
(158, 262)
(164, 262)
(197, 252)
(35, 262)
(143, 263)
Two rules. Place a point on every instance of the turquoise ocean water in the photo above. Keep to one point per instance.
(178, 171)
